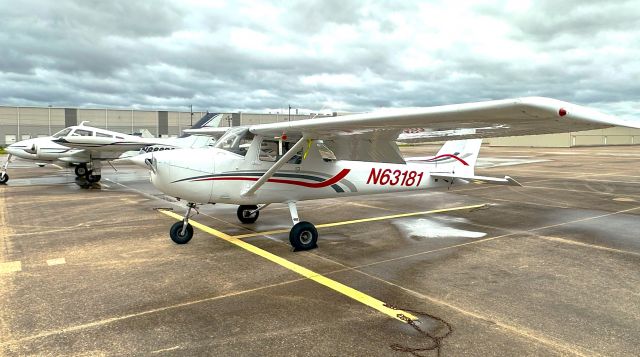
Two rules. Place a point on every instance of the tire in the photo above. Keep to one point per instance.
(303, 236)
(4, 179)
(81, 170)
(92, 178)
(175, 231)
(243, 214)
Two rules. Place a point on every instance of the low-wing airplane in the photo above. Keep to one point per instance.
(349, 155)
(87, 147)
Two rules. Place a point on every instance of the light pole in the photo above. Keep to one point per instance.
(18, 136)
(49, 119)
(289, 112)
(191, 114)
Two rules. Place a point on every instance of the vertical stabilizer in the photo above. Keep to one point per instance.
(459, 156)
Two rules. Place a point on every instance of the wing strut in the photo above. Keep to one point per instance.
(283, 160)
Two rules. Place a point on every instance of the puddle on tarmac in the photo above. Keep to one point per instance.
(429, 228)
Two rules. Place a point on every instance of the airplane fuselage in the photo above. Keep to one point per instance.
(44, 149)
(219, 176)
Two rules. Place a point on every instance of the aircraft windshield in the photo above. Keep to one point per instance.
(62, 133)
(235, 140)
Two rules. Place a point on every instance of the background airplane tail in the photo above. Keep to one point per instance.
(208, 120)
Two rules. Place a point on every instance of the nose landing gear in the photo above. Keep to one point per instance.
(182, 232)
(4, 178)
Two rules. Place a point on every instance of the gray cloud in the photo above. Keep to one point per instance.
(340, 55)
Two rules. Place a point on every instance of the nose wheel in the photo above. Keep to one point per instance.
(4, 178)
(182, 232)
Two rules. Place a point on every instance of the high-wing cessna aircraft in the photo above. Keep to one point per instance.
(350, 155)
(87, 147)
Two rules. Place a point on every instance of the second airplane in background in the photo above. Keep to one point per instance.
(86, 147)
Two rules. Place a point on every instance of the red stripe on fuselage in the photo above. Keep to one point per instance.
(325, 183)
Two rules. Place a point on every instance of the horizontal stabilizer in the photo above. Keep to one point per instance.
(216, 132)
(507, 180)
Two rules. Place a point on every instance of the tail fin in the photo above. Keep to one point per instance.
(208, 120)
(458, 155)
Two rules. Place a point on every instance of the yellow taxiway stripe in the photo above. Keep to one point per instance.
(318, 278)
(10, 267)
(342, 223)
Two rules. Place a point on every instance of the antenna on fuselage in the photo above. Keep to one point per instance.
(84, 121)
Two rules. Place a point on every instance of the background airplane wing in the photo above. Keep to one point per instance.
(509, 117)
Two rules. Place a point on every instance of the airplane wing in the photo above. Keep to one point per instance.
(509, 117)
(372, 135)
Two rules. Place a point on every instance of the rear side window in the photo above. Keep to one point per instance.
(102, 135)
(82, 132)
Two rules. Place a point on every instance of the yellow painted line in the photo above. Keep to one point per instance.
(309, 274)
(10, 267)
(56, 261)
(363, 220)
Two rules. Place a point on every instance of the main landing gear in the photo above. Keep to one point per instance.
(182, 232)
(249, 213)
(92, 174)
(303, 235)
(4, 178)
(81, 170)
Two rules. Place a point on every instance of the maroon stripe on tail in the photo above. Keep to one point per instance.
(451, 156)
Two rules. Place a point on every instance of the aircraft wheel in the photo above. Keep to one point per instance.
(4, 179)
(81, 170)
(91, 178)
(176, 233)
(303, 236)
(245, 216)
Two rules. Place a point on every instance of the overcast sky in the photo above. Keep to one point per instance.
(335, 55)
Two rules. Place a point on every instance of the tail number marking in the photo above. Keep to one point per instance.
(394, 177)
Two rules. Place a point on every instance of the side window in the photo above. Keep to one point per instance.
(101, 135)
(119, 137)
(269, 152)
(82, 132)
(325, 152)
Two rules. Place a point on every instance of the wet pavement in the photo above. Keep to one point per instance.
(551, 268)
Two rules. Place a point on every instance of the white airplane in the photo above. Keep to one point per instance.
(349, 155)
(87, 147)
